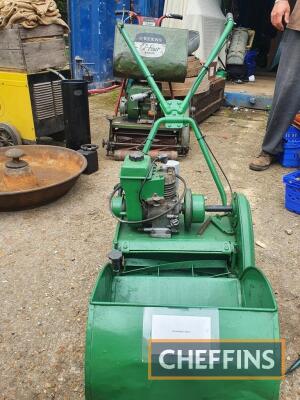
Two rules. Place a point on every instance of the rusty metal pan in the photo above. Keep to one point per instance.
(56, 168)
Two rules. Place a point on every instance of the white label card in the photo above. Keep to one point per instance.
(150, 44)
(181, 327)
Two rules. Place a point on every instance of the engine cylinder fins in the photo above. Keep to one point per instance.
(170, 191)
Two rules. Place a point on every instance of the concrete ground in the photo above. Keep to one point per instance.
(50, 258)
(263, 85)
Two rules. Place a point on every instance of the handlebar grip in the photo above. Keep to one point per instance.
(229, 17)
(175, 16)
(121, 12)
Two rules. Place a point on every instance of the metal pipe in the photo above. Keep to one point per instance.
(225, 209)
(57, 73)
(214, 53)
(103, 90)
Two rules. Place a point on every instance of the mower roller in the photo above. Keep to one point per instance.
(173, 254)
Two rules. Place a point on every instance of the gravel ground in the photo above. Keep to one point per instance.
(50, 258)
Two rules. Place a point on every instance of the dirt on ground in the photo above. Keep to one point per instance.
(50, 258)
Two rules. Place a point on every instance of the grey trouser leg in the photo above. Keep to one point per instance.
(286, 101)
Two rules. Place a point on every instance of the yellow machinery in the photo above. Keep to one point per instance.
(30, 106)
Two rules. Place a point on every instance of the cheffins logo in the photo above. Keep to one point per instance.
(216, 359)
(150, 45)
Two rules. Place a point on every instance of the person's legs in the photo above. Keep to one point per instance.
(286, 101)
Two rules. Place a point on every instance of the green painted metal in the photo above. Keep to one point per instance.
(198, 202)
(194, 209)
(117, 206)
(157, 48)
(136, 109)
(229, 239)
(201, 142)
(208, 265)
(175, 109)
(140, 181)
(115, 368)
(173, 105)
(186, 272)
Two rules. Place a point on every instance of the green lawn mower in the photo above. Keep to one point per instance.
(179, 268)
(137, 107)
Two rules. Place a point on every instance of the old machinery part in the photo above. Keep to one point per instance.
(194, 209)
(140, 96)
(18, 173)
(76, 113)
(33, 175)
(116, 257)
(89, 151)
(120, 155)
(237, 49)
(176, 260)
(156, 194)
(15, 163)
(159, 203)
(9, 135)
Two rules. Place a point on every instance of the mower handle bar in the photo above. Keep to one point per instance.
(121, 12)
(174, 16)
(131, 14)
(229, 17)
(136, 15)
(174, 112)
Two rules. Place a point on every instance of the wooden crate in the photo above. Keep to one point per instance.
(207, 103)
(212, 71)
(32, 50)
(195, 65)
(182, 89)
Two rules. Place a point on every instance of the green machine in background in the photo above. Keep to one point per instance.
(137, 107)
(173, 254)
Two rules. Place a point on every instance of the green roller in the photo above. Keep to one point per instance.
(176, 261)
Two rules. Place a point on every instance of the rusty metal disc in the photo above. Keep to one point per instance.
(56, 170)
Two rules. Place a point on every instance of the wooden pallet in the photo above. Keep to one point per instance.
(206, 104)
(195, 65)
(182, 89)
(32, 50)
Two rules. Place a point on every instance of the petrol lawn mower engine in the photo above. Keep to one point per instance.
(139, 104)
(165, 209)
(151, 198)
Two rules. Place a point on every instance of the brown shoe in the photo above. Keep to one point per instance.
(262, 162)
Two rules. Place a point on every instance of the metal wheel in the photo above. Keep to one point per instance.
(185, 139)
(9, 136)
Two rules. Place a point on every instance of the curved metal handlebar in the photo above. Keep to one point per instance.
(174, 16)
(229, 17)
